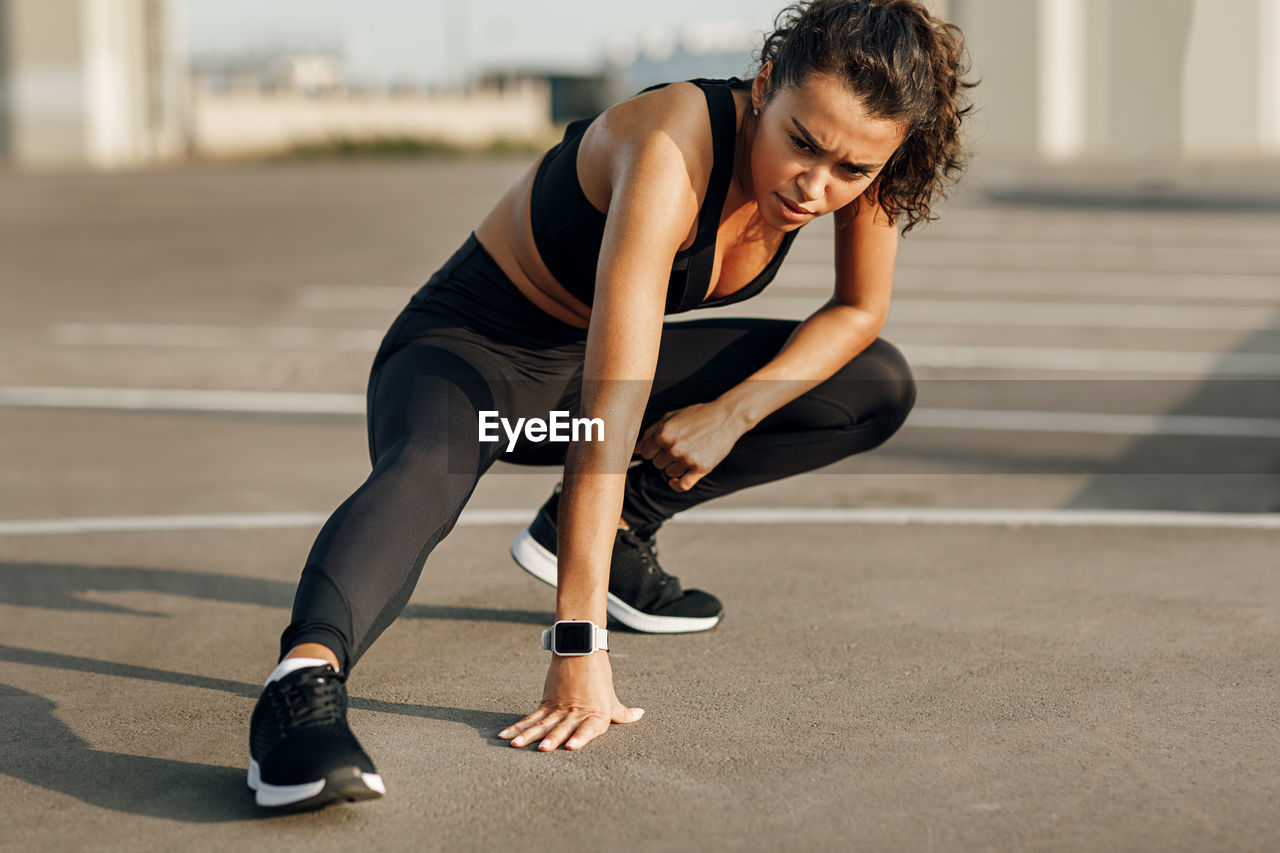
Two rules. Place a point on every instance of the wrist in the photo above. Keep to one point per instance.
(588, 607)
(737, 410)
(575, 638)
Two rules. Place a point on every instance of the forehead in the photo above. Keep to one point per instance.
(838, 120)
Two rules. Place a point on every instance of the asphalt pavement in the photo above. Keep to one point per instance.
(1043, 616)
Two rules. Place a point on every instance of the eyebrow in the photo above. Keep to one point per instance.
(808, 137)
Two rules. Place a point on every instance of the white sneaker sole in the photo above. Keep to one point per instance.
(541, 563)
(310, 793)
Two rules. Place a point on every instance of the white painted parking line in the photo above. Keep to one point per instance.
(993, 281)
(158, 523)
(1100, 361)
(952, 312)
(908, 280)
(747, 516)
(1094, 423)
(1022, 358)
(226, 337)
(1056, 315)
(183, 400)
(315, 403)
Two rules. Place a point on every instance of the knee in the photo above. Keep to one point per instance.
(893, 379)
(421, 461)
(876, 389)
(869, 398)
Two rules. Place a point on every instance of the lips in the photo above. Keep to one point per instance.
(794, 212)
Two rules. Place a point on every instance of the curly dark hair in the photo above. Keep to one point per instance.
(905, 66)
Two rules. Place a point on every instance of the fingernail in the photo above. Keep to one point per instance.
(573, 744)
(504, 733)
(639, 712)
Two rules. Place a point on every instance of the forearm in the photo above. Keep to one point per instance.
(591, 498)
(819, 347)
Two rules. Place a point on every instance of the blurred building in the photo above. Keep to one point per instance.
(1062, 79)
(251, 105)
(1127, 79)
(314, 72)
(101, 83)
(705, 48)
(95, 83)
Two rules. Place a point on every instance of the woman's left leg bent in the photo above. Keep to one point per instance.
(854, 411)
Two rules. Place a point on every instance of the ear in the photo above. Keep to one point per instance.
(760, 86)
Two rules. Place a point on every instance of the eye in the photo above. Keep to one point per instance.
(800, 144)
(854, 173)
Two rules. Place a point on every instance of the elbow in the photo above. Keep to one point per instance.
(864, 322)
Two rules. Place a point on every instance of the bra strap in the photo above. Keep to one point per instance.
(724, 126)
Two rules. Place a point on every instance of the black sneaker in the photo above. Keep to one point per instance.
(302, 754)
(641, 595)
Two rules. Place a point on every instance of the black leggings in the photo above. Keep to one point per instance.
(470, 341)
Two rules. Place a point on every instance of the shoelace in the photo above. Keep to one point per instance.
(648, 547)
(314, 701)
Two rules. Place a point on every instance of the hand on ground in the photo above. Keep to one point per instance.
(578, 704)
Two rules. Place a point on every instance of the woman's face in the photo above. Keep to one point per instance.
(815, 149)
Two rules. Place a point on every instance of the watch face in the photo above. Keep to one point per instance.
(573, 638)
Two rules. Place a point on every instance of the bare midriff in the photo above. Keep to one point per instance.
(507, 235)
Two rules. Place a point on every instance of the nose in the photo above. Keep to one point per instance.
(811, 184)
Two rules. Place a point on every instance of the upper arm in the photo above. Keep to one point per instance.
(866, 246)
(653, 203)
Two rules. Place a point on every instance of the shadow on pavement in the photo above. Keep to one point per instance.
(56, 586)
(484, 722)
(41, 750)
(1224, 489)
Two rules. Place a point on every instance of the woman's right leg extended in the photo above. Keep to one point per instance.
(423, 408)
(362, 569)
(464, 344)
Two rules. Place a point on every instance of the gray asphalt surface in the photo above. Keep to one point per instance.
(941, 684)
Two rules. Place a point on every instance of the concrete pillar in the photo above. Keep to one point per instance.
(1003, 36)
(1137, 58)
(5, 106)
(1062, 75)
(1269, 90)
(1064, 79)
(1233, 79)
(1222, 83)
(47, 122)
(91, 83)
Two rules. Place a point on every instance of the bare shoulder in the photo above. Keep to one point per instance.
(666, 134)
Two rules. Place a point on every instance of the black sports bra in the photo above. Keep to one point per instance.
(568, 230)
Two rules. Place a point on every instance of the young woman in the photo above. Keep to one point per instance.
(684, 196)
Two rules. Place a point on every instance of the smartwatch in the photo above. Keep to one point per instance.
(575, 637)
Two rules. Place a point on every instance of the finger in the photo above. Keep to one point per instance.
(538, 730)
(648, 445)
(589, 729)
(560, 733)
(686, 482)
(517, 727)
(623, 714)
(663, 459)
